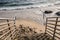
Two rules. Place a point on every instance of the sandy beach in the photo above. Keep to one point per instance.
(30, 16)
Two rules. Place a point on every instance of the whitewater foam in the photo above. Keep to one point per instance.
(22, 7)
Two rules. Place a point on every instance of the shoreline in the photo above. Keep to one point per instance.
(32, 14)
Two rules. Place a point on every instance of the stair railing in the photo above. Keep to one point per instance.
(53, 27)
(7, 29)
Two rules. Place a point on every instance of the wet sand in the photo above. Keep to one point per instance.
(32, 14)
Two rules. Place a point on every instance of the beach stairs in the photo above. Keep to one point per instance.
(9, 31)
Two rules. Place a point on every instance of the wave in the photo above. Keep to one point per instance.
(18, 6)
(7, 4)
(22, 7)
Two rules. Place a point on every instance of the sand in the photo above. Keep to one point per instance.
(31, 17)
(34, 14)
(32, 24)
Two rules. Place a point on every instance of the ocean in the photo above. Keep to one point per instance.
(12, 4)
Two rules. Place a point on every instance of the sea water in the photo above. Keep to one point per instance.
(16, 4)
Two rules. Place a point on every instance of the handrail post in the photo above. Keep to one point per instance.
(8, 23)
(15, 25)
(46, 25)
(55, 28)
(14, 19)
(9, 27)
(15, 22)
